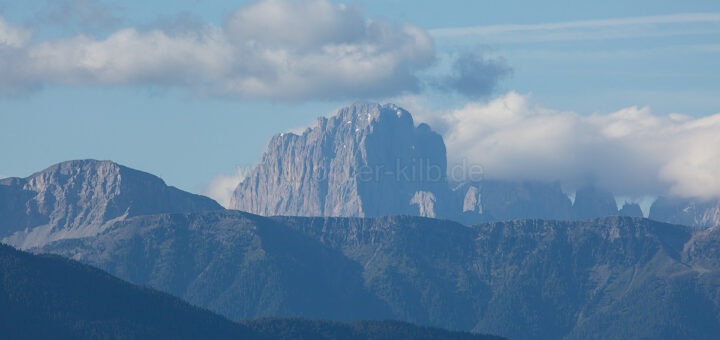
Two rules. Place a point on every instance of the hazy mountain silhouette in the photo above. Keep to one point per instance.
(703, 213)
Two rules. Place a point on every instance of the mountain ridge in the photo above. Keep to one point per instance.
(79, 198)
(47, 296)
(549, 279)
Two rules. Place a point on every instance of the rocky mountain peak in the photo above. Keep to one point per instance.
(366, 160)
(592, 202)
(631, 209)
(687, 211)
(77, 198)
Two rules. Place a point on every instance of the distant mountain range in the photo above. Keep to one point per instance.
(616, 277)
(610, 277)
(371, 160)
(48, 297)
(518, 259)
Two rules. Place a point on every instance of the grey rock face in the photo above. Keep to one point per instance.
(701, 213)
(370, 160)
(472, 201)
(78, 198)
(592, 202)
(425, 202)
(631, 209)
(367, 160)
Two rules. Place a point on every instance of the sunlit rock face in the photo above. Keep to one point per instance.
(366, 160)
(79, 198)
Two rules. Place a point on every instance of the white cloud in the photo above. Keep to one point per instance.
(277, 49)
(632, 152)
(221, 187)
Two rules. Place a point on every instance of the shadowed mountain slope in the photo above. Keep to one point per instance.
(49, 297)
(614, 277)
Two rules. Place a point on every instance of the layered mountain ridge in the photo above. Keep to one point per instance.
(611, 277)
(48, 297)
(615, 277)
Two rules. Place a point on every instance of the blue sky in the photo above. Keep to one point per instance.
(584, 57)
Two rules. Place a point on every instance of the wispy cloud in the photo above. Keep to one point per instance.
(663, 25)
(221, 186)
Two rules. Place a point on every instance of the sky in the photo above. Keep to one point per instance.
(624, 94)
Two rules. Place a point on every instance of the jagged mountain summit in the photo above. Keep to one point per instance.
(498, 200)
(79, 198)
(702, 213)
(631, 209)
(593, 202)
(371, 160)
(367, 160)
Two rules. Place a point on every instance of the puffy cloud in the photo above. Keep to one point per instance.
(221, 186)
(632, 152)
(277, 49)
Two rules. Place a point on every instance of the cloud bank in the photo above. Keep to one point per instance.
(632, 152)
(273, 49)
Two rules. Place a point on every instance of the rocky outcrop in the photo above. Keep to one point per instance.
(694, 212)
(592, 202)
(496, 200)
(631, 209)
(366, 160)
(78, 198)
